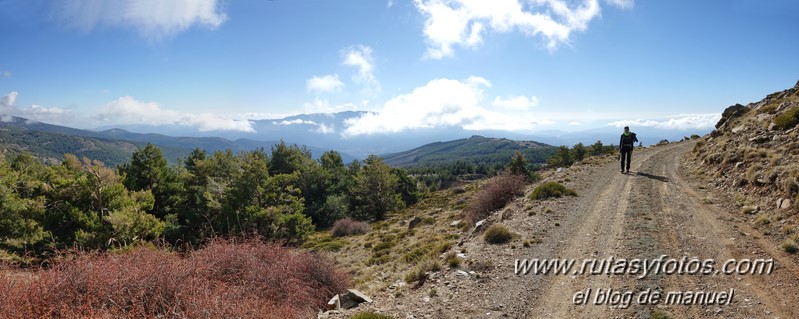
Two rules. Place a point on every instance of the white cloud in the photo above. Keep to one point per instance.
(623, 4)
(519, 103)
(452, 23)
(40, 113)
(327, 83)
(326, 129)
(35, 112)
(128, 110)
(677, 122)
(7, 74)
(294, 122)
(152, 19)
(320, 127)
(361, 57)
(7, 103)
(439, 103)
(575, 124)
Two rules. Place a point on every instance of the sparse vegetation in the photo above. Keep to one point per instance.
(497, 234)
(420, 271)
(551, 189)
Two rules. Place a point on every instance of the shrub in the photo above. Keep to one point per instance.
(420, 271)
(497, 234)
(348, 226)
(497, 193)
(551, 189)
(223, 280)
(787, 120)
(762, 219)
(369, 315)
(789, 246)
(453, 260)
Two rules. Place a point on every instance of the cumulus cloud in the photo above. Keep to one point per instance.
(451, 23)
(360, 57)
(128, 110)
(321, 84)
(678, 122)
(36, 113)
(152, 19)
(7, 103)
(519, 103)
(439, 103)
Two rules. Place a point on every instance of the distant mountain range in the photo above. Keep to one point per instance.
(324, 130)
(114, 146)
(319, 132)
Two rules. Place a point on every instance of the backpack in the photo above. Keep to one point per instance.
(628, 140)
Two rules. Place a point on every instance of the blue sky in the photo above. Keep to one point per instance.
(522, 65)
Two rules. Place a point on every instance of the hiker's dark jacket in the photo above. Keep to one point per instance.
(627, 141)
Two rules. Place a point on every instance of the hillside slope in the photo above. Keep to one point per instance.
(753, 156)
(475, 150)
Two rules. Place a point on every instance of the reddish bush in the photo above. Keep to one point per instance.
(347, 226)
(494, 195)
(223, 280)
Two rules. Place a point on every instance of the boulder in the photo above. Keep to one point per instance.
(784, 203)
(479, 226)
(759, 139)
(772, 126)
(414, 222)
(456, 223)
(352, 298)
(334, 303)
(731, 112)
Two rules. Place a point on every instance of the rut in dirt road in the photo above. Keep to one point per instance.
(647, 214)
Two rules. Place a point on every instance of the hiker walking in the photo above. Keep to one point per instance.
(626, 143)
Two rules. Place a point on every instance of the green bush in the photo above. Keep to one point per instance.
(787, 120)
(551, 189)
(497, 234)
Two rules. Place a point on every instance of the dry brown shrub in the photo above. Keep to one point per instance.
(494, 195)
(223, 280)
(348, 226)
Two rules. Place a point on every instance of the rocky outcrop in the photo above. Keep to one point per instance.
(753, 155)
(731, 112)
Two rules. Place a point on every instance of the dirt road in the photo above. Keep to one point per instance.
(651, 212)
